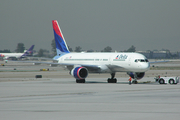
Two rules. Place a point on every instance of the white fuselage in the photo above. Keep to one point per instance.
(7, 55)
(108, 62)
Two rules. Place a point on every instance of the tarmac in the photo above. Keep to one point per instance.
(57, 96)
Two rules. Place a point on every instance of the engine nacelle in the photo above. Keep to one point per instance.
(79, 72)
(136, 75)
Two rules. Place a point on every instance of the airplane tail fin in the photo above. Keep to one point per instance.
(1, 55)
(29, 52)
(61, 46)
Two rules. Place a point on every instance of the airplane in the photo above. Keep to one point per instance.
(81, 64)
(28, 52)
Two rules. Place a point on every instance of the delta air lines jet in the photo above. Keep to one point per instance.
(81, 64)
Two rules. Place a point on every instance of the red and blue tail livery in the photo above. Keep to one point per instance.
(61, 46)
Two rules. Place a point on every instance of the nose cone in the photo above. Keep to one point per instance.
(145, 66)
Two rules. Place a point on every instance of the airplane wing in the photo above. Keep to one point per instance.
(40, 58)
(92, 68)
(159, 61)
(116, 68)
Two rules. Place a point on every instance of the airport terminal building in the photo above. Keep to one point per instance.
(160, 54)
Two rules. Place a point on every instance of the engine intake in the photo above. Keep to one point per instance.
(79, 72)
(138, 76)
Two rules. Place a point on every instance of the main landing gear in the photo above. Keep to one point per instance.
(80, 81)
(112, 79)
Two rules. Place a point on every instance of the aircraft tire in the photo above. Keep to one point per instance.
(161, 81)
(80, 81)
(134, 82)
(112, 80)
(171, 81)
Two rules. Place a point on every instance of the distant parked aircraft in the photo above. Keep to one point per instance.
(18, 55)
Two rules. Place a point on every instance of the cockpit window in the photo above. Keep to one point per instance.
(141, 60)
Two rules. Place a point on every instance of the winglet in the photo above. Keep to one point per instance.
(61, 46)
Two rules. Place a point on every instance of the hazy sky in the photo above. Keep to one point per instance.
(92, 24)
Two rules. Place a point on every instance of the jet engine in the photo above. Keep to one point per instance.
(79, 72)
(136, 75)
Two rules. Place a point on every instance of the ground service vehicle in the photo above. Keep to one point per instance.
(166, 80)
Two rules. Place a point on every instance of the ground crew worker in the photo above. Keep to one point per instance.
(130, 80)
